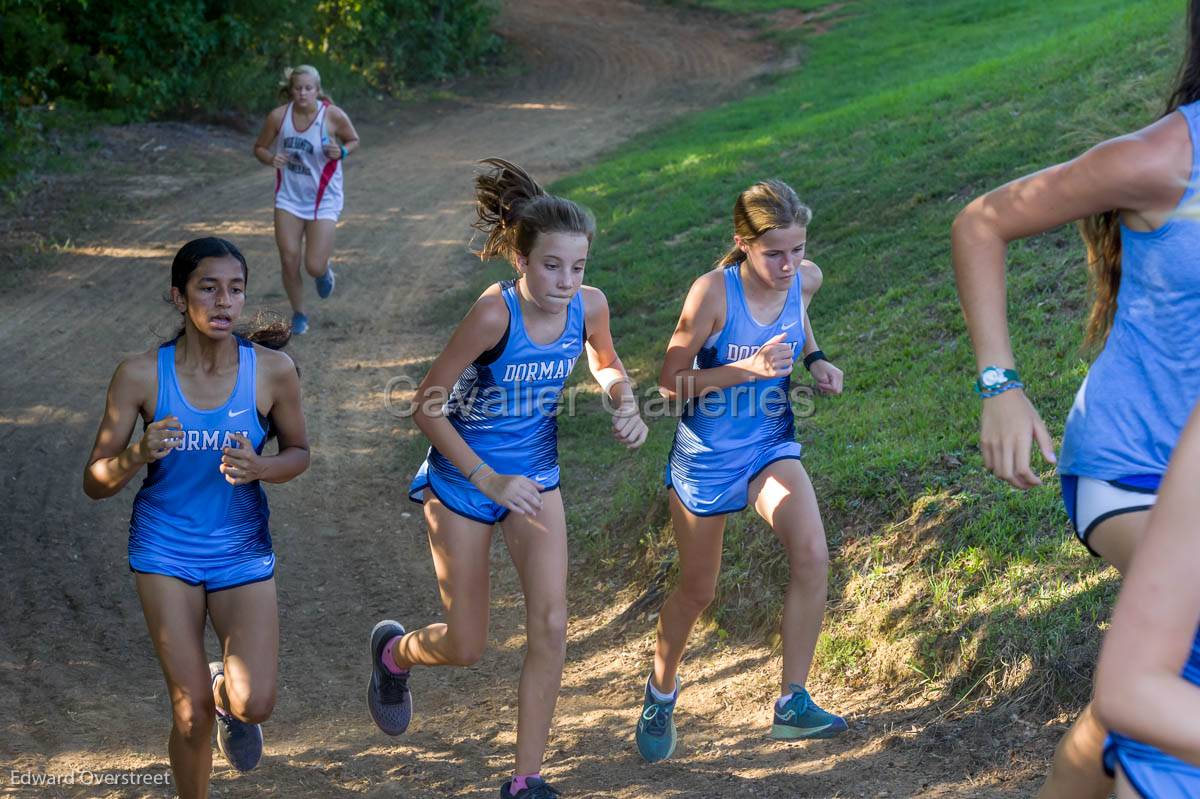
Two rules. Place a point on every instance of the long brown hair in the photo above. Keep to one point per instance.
(1102, 233)
(765, 206)
(513, 210)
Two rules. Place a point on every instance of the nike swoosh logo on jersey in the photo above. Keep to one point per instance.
(567, 344)
(239, 413)
(789, 326)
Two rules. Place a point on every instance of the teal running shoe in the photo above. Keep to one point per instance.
(536, 788)
(325, 283)
(801, 718)
(299, 324)
(239, 742)
(655, 734)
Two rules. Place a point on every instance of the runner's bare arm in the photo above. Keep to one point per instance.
(603, 361)
(242, 465)
(266, 137)
(811, 278)
(1134, 172)
(609, 372)
(828, 377)
(341, 127)
(703, 314)
(114, 461)
(480, 330)
(1139, 688)
(1138, 171)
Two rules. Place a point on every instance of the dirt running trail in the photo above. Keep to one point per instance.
(79, 686)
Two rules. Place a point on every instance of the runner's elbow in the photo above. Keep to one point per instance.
(94, 488)
(1115, 698)
(975, 224)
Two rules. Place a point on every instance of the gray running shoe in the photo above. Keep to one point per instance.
(239, 742)
(388, 697)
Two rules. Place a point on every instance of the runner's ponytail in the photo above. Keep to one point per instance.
(765, 206)
(512, 210)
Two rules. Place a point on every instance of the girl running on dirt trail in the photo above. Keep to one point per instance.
(1144, 262)
(1148, 678)
(488, 407)
(306, 140)
(199, 542)
(735, 446)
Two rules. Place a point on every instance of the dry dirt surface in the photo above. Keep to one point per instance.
(80, 690)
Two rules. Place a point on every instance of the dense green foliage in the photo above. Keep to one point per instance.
(138, 59)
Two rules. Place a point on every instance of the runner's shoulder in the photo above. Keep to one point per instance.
(275, 364)
(137, 374)
(811, 276)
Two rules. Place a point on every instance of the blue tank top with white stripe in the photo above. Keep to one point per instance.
(185, 508)
(1132, 406)
(737, 422)
(505, 405)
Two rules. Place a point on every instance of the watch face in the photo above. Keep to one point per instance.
(991, 377)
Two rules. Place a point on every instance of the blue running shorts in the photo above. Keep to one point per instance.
(724, 490)
(1153, 773)
(212, 576)
(459, 494)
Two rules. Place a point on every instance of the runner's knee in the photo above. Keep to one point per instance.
(249, 702)
(193, 717)
(696, 594)
(547, 627)
(809, 559)
(290, 260)
(315, 267)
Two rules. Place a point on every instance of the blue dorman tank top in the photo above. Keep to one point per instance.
(185, 508)
(505, 405)
(1132, 406)
(731, 425)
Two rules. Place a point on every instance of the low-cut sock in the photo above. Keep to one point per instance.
(520, 782)
(782, 701)
(658, 695)
(389, 662)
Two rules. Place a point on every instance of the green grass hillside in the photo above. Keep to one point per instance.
(899, 114)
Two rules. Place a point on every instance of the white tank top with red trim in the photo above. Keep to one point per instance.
(310, 185)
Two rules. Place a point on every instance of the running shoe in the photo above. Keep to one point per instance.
(299, 324)
(536, 788)
(800, 717)
(325, 283)
(239, 742)
(655, 734)
(388, 697)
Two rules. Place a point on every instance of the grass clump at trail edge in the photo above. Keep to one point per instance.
(899, 115)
